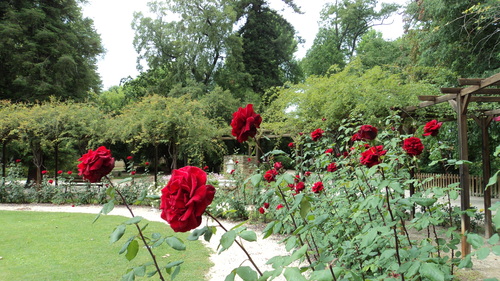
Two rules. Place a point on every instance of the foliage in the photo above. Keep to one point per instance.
(461, 36)
(47, 48)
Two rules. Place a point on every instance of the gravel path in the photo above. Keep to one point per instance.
(260, 251)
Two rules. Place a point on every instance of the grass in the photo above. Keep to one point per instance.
(67, 246)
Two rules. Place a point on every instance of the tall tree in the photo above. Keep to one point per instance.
(462, 35)
(47, 48)
(343, 24)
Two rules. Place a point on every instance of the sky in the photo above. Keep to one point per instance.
(113, 18)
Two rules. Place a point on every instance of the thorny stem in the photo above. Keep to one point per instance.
(394, 229)
(238, 243)
(139, 230)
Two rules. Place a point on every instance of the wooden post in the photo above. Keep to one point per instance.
(484, 123)
(462, 103)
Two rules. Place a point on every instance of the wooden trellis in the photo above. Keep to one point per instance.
(459, 99)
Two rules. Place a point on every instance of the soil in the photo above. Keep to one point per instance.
(260, 251)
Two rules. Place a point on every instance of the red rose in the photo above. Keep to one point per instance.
(413, 146)
(146, 163)
(329, 150)
(245, 123)
(232, 171)
(317, 134)
(494, 119)
(132, 173)
(278, 166)
(432, 128)
(51, 181)
(185, 198)
(60, 172)
(96, 164)
(266, 205)
(270, 175)
(371, 156)
(70, 172)
(291, 145)
(249, 159)
(367, 132)
(279, 206)
(307, 173)
(317, 187)
(261, 210)
(130, 157)
(44, 172)
(332, 167)
(18, 160)
(356, 137)
(205, 168)
(299, 187)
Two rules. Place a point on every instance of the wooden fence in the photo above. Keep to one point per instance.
(475, 182)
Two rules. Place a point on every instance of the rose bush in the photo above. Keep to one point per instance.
(185, 198)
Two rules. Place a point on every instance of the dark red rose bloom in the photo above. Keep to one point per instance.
(317, 134)
(413, 146)
(279, 206)
(300, 134)
(59, 172)
(291, 145)
(132, 173)
(367, 132)
(249, 159)
(332, 167)
(266, 205)
(329, 150)
(96, 164)
(130, 157)
(371, 156)
(356, 137)
(70, 172)
(146, 163)
(297, 178)
(307, 173)
(44, 172)
(51, 181)
(245, 123)
(278, 166)
(432, 128)
(18, 160)
(270, 175)
(262, 210)
(317, 187)
(497, 119)
(185, 198)
(205, 168)
(299, 187)
(345, 154)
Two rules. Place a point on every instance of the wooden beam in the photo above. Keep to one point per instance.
(463, 170)
(472, 81)
(472, 99)
(489, 91)
(427, 98)
(484, 83)
(492, 112)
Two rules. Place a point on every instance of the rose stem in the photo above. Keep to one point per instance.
(239, 244)
(138, 229)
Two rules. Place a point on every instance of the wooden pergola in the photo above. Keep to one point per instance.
(478, 90)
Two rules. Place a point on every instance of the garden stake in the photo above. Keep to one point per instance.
(238, 243)
(138, 229)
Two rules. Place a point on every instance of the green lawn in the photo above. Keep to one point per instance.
(67, 246)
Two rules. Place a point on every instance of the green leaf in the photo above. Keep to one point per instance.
(227, 239)
(293, 274)
(475, 240)
(299, 253)
(231, 276)
(133, 220)
(483, 253)
(132, 249)
(125, 246)
(152, 273)
(130, 276)
(493, 180)
(208, 234)
(496, 220)
(494, 239)
(246, 273)
(175, 273)
(140, 271)
(305, 206)
(291, 243)
(425, 202)
(369, 238)
(174, 263)
(431, 271)
(256, 179)
(289, 178)
(496, 250)
(175, 243)
(248, 235)
(195, 234)
(117, 233)
(153, 197)
(321, 275)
